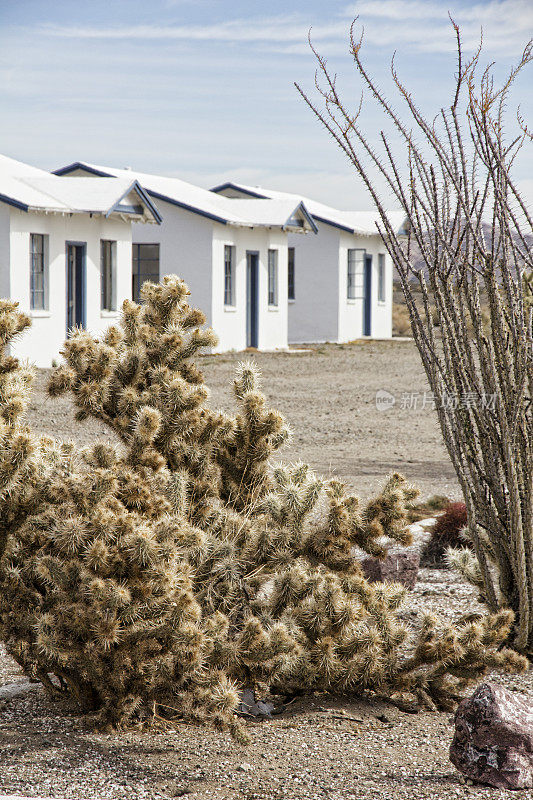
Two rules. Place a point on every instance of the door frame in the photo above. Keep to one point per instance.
(367, 296)
(83, 246)
(252, 320)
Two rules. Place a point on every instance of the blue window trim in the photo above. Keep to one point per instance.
(83, 246)
(135, 262)
(229, 277)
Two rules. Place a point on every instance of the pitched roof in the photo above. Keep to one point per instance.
(284, 212)
(357, 222)
(31, 189)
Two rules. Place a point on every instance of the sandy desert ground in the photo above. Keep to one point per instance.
(320, 747)
(328, 395)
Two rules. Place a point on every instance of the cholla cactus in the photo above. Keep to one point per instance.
(26, 462)
(169, 572)
(244, 453)
(147, 363)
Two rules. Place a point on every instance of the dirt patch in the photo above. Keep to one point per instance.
(320, 747)
(328, 396)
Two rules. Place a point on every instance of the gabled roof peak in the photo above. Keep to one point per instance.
(31, 189)
(355, 222)
(273, 212)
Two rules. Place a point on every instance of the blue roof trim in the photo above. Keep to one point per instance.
(309, 217)
(12, 202)
(230, 185)
(127, 209)
(334, 224)
(187, 207)
(80, 165)
(250, 193)
(136, 187)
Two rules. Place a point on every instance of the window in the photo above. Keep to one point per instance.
(108, 274)
(38, 272)
(356, 260)
(229, 275)
(381, 278)
(291, 291)
(145, 267)
(272, 277)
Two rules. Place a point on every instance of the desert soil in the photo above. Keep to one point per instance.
(328, 395)
(320, 747)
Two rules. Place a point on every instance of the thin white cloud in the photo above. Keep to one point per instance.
(423, 26)
(281, 29)
(398, 9)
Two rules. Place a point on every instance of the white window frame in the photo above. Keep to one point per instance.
(291, 284)
(108, 273)
(35, 258)
(229, 276)
(381, 278)
(353, 260)
(136, 262)
(273, 281)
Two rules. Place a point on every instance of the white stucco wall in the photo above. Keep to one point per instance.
(381, 311)
(192, 246)
(230, 322)
(4, 250)
(313, 313)
(43, 341)
(186, 250)
(350, 311)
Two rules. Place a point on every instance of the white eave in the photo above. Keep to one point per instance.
(29, 189)
(266, 213)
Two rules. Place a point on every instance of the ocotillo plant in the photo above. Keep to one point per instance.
(166, 573)
(468, 235)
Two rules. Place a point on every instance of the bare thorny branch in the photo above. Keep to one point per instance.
(471, 320)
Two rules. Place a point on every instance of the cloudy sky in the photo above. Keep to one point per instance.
(203, 89)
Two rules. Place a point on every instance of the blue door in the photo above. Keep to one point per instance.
(367, 302)
(75, 284)
(252, 299)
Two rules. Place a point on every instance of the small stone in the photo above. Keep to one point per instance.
(493, 741)
(244, 768)
(397, 566)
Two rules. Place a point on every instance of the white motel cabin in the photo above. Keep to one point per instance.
(233, 253)
(65, 251)
(340, 281)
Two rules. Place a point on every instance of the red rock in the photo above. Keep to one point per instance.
(398, 566)
(493, 742)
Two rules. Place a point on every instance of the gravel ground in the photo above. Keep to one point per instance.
(328, 395)
(320, 747)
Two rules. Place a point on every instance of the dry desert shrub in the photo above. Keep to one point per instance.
(401, 321)
(166, 574)
(446, 532)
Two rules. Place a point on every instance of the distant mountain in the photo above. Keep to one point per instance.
(418, 262)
